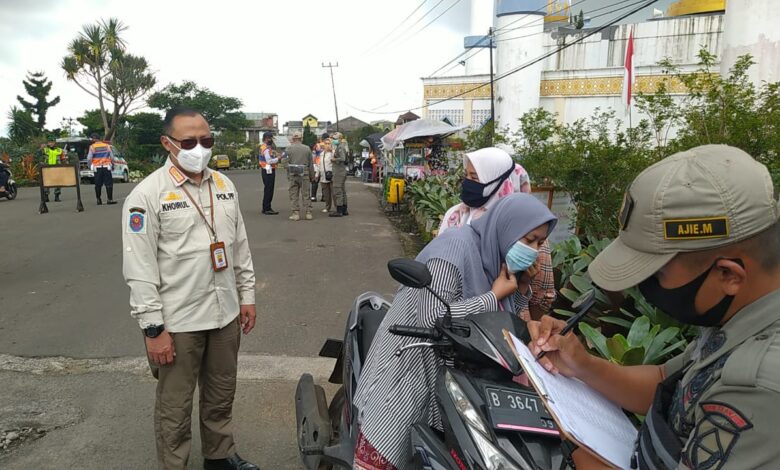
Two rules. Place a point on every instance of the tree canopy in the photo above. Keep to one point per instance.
(222, 112)
(38, 87)
(99, 64)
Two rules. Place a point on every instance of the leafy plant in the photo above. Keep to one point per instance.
(646, 343)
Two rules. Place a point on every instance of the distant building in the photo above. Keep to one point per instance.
(384, 125)
(348, 124)
(260, 124)
(316, 126)
(406, 117)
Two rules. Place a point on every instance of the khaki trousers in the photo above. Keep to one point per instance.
(300, 187)
(210, 359)
(327, 194)
(340, 188)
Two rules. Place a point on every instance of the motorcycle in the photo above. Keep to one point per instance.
(490, 421)
(11, 190)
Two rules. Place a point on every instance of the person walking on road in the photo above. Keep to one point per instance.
(326, 173)
(300, 174)
(192, 290)
(268, 162)
(339, 159)
(101, 162)
(53, 155)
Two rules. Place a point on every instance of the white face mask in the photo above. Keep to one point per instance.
(194, 160)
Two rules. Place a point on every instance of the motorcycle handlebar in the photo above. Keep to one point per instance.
(414, 331)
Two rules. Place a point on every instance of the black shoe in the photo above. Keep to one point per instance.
(313, 199)
(270, 212)
(234, 462)
(338, 212)
(99, 202)
(344, 210)
(322, 200)
(111, 202)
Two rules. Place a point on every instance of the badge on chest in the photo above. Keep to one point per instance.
(218, 256)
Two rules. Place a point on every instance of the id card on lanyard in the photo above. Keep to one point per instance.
(217, 248)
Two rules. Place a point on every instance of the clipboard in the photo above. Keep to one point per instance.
(546, 400)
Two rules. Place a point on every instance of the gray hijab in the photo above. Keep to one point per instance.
(479, 249)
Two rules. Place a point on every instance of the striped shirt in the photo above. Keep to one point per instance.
(396, 392)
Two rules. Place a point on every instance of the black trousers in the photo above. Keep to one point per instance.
(269, 181)
(103, 178)
(314, 185)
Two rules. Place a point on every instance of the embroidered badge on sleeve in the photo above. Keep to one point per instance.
(716, 435)
(136, 221)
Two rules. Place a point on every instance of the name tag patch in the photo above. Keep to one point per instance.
(226, 196)
(174, 206)
(696, 229)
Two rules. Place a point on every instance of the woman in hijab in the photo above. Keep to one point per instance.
(477, 268)
(491, 175)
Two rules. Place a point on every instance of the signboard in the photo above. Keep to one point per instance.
(563, 207)
(59, 176)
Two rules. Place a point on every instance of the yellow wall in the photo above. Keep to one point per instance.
(311, 121)
(692, 7)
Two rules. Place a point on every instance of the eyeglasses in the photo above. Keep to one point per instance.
(189, 144)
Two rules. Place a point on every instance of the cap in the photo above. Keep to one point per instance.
(94, 136)
(297, 136)
(706, 197)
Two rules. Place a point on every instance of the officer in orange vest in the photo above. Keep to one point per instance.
(101, 161)
(268, 161)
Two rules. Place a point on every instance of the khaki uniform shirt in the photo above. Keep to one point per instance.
(167, 255)
(726, 409)
(299, 154)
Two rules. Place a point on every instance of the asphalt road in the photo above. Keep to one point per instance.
(71, 358)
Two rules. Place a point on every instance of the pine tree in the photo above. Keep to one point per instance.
(309, 137)
(39, 87)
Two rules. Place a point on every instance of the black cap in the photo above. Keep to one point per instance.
(325, 136)
(268, 135)
(94, 136)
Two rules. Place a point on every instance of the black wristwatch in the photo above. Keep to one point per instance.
(154, 331)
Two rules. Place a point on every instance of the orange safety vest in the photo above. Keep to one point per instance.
(318, 149)
(263, 163)
(101, 155)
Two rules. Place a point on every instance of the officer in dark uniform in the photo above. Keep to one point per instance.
(700, 237)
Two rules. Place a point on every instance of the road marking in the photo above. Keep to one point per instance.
(250, 366)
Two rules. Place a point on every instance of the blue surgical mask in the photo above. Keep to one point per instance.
(520, 257)
(335, 141)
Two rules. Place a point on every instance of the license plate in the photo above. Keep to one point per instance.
(518, 411)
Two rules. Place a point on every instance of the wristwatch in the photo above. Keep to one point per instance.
(154, 331)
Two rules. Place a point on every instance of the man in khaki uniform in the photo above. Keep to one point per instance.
(192, 289)
(700, 237)
(339, 160)
(300, 174)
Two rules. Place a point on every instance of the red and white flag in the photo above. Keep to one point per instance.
(629, 75)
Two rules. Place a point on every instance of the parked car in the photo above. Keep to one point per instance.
(222, 162)
(120, 172)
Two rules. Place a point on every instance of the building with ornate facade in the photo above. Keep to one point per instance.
(574, 81)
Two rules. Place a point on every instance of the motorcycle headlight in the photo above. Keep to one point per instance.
(465, 409)
(493, 457)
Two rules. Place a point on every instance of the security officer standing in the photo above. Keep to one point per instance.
(101, 162)
(53, 155)
(339, 159)
(300, 173)
(700, 237)
(268, 162)
(192, 290)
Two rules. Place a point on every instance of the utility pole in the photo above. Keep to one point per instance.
(492, 99)
(333, 84)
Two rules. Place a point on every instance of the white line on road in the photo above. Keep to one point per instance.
(250, 366)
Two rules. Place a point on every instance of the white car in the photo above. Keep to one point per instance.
(121, 172)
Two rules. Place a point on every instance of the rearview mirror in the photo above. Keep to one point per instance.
(409, 272)
(586, 299)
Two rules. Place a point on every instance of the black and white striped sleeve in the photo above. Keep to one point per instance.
(447, 283)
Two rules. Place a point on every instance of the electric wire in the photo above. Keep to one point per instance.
(397, 26)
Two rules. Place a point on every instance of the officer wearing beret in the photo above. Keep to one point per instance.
(700, 237)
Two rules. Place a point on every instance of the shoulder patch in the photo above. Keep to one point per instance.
(176, 175)
(696, 229)
(219, 181)
(136, 223)
(140, 210)
(716, 434)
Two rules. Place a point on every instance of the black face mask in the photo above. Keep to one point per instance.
(472, 193)
(680, 303)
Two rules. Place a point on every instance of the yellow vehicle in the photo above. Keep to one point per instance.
(222, 162)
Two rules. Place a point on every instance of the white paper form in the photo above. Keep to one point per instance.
(583, 412)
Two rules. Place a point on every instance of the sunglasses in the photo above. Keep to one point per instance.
(189, 144)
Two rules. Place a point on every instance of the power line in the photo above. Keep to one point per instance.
(526, 65)
(430, 22)
(397, 26)
(409, 28)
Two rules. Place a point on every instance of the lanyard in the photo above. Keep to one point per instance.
(211, 227)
